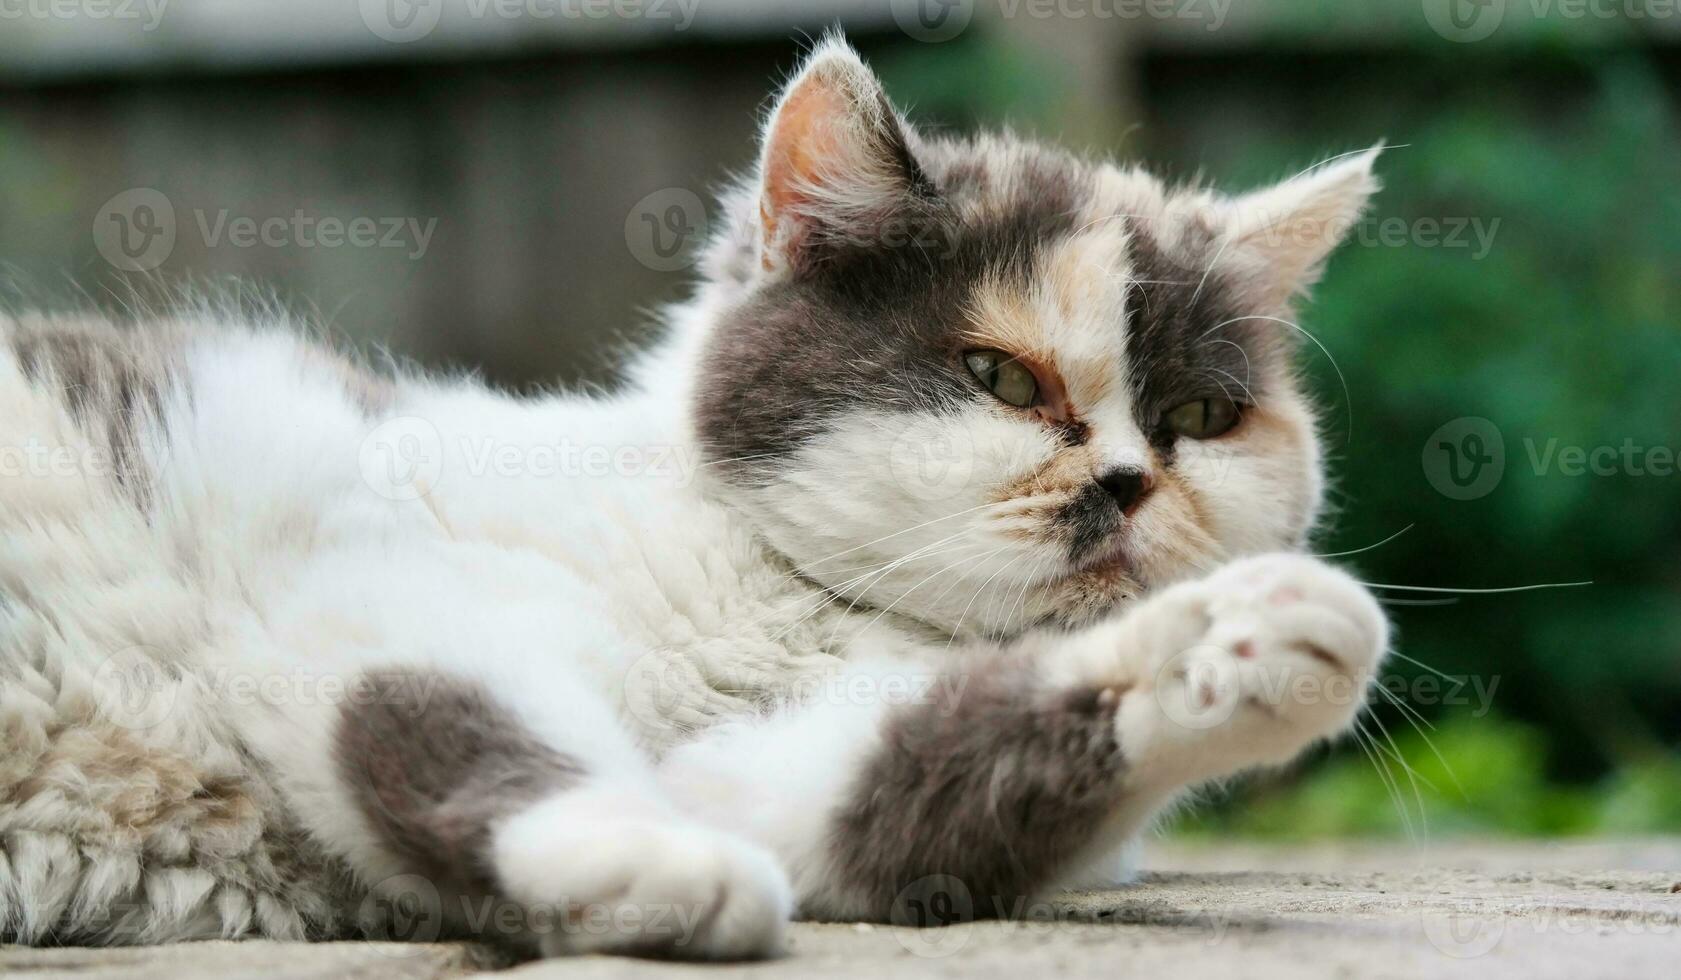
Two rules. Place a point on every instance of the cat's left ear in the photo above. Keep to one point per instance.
(1292, 227)
(835, 164)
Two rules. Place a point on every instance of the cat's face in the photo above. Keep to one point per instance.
(987, 385)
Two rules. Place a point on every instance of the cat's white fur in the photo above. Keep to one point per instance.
(634, 620)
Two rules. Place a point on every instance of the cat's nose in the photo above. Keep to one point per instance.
(1129, 485)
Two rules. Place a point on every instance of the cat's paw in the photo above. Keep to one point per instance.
(1249, 666)
(641, 885)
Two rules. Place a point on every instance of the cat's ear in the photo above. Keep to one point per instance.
(1292, 227)
(835, 162)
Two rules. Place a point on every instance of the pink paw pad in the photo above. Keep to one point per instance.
(1285, 595)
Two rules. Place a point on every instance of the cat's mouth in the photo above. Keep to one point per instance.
(1109, 558)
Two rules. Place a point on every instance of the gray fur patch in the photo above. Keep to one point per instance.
(112, 381)
(877, 319)
(434, 780)
(1188, 338)
(987, 793)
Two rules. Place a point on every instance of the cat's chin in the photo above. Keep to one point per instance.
(1113, 558)
(1094, 588)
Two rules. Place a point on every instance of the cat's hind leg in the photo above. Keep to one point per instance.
(561, 845)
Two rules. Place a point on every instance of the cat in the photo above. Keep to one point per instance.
(953, 532)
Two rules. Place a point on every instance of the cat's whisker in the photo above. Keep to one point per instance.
(1419, 723)
(895, 534)
(913, 588)
(879, 576)
(1418, 602)
(1497, 591)
(1420, 663)
(1361, 738)
(742, 459)
(1108, 217)
(1248, 368)
(1209, 271)
(1386, 147)
(958, 628)
(1021, 597)
(822, 598)
(1225, 391)
(922, 552)
(1370, 547)
(1413, 777)
(837, 592)
(1348, 401)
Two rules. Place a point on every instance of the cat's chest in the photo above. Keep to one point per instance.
(713, 625)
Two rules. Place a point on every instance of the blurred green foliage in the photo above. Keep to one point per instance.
(1562, 327)
(1466, 777)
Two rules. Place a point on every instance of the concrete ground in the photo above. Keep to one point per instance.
(1531, 910)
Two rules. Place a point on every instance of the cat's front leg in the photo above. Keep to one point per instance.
(1008, 776)
(1245, 667)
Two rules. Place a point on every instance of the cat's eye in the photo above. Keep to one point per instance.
(1204, 418)
(1004, 376)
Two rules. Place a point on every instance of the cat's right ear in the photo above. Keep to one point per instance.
(835, 165)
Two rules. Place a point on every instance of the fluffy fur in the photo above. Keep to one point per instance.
(805, 620)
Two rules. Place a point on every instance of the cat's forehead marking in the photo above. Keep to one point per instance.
(1068, 313)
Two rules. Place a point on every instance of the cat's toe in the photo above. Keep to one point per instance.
(1273, 606)
(665, 889)
(1261, 659)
